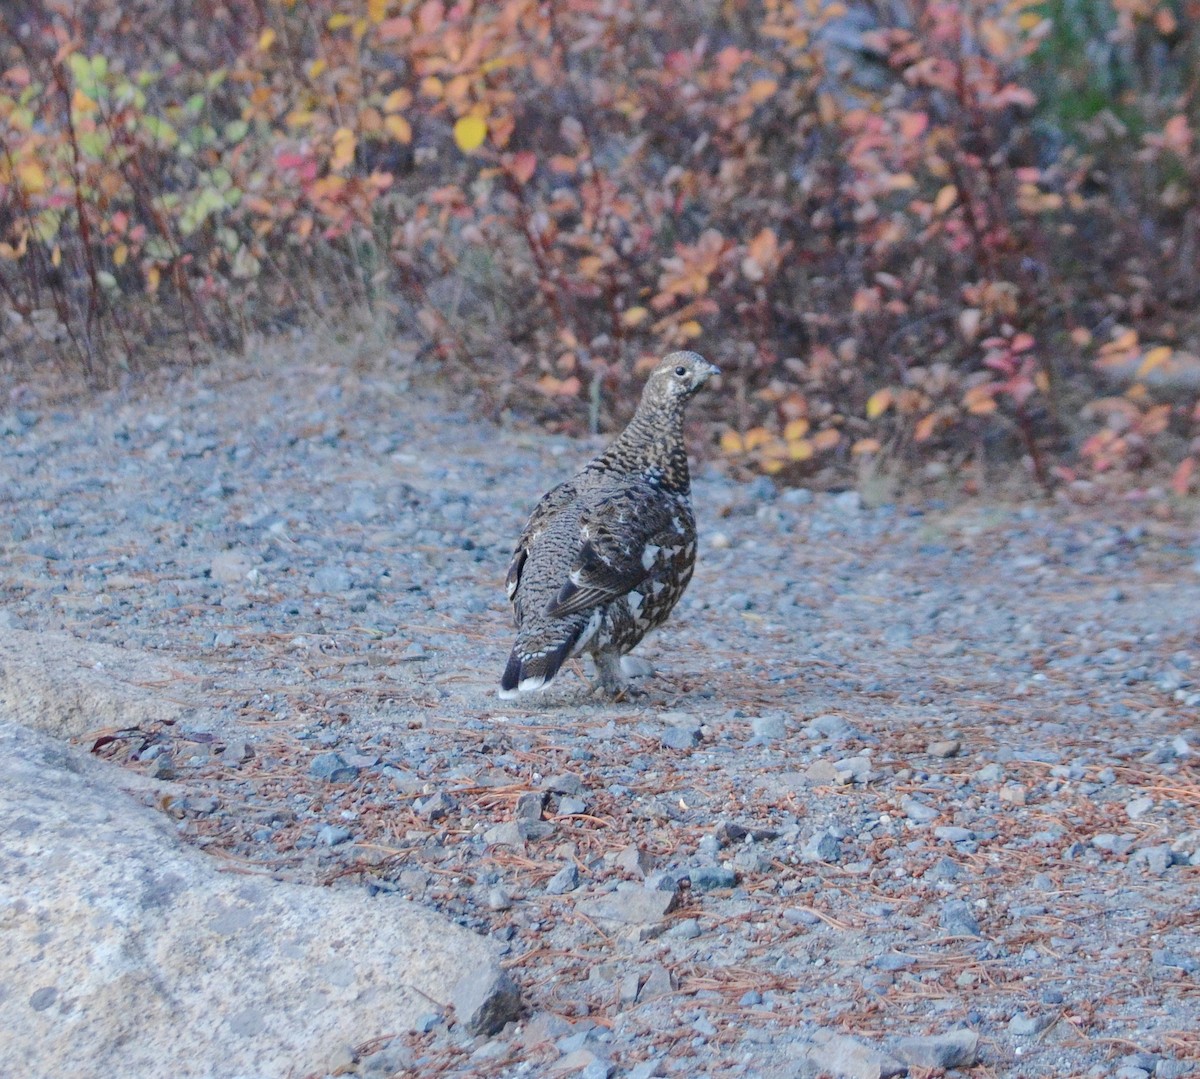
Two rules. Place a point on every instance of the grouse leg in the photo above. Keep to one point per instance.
(610, 679)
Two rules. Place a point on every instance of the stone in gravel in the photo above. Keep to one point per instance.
(1026, 1026)
(957, 919)
(236, 751)
(332, 768)
(680, 737)
(485, 1000)
(635, 861)
(1139, 807)
(1147, 1062)
(437, 806)
(830, 726)
(332, 834)
(583, 1063)
(163, 767)
(951, 834)
(1016, 794)
(1173, 1069)
(822, 847)
(947, 747)
(230, 567)
(750, 998)
(1157, 859)
(499, 899)
(571, 807)
(333, 579)
(565, 880)
(515, 833)
(224, 639)
(731, 832)
(688, 929)
(768, 728)
(565, 783)
(956, 1049)
(630, 904)
(1131, 1073)
(665, 880)
(918, 811)
(530, 805)
(658, 983)
(847, 1058)
(648, 1069)
(822, 774)
(708, 878)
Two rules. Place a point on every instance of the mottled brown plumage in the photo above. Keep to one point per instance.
(607, 554)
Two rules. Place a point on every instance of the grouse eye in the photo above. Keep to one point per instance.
(680, 371)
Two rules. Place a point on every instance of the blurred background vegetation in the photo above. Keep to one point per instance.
(921, 238)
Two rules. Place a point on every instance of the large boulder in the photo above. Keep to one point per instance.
(127, 953)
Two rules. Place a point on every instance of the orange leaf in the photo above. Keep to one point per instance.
(634, 316)
(523, 166)
(878, 403)
(1155, 357)
(731, 442)
(866, 445)
(1182, 478)
(826, 439)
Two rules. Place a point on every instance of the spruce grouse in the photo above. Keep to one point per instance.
(607, 554)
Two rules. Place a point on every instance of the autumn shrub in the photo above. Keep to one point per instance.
(915, 232)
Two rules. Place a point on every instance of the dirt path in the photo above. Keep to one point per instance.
(898, 773)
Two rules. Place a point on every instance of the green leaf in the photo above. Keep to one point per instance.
(236, 130)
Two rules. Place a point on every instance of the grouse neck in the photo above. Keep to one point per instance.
(651, 447)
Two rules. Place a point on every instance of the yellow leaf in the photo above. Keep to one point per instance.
(755, 437)
(634, 316)
(266, 39)
(397, 101)
(336, 22)
(81, 103)
(316, 68)
(945, 199)
(771, 466)
(32, 177)
(376, 10)
(1156, 357)
(56, 256)
(878, 403)
(399, 128)
(800, 451)
(690, 329)
(120, 254)
(153, 277)
(796, 429)
(469, 133)
(431, 86)
(343, 148)
(731, 442)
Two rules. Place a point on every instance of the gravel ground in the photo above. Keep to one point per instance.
(901, 772)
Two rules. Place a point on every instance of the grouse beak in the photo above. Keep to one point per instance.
(712, 370)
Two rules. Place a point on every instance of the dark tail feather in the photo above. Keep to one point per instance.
(526, 673)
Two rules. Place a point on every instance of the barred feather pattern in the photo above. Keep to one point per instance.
(606, 555)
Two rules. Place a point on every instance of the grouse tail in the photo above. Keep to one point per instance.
(530, 672)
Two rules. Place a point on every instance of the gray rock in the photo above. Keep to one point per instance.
(847, 1058)
(437, 806)
(333, 579)
(957, 919)
(332, 767)
(231, 567)
(955, 1049)
(946, 747)
(565, 783)
(708, 878)
(918, 811)
(1026, 1026)
(688, 929)
(530, 805)
(830, 726)
(635, 861)
(517, 832)
(769, 728)
(498, 898)
(680, 737)
(823, 847)
(298, 970)
(658, 983)
(571, 807)
(630, 904)
(565, 880)
(333, 834)
(484, 1000)
(951, 834)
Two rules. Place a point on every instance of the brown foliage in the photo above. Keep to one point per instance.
(858, 213)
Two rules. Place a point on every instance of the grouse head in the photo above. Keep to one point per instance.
(676, 379)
